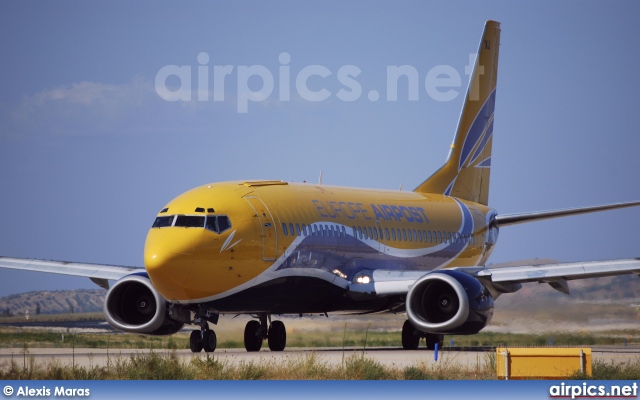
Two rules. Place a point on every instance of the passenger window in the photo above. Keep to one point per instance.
(375, 233)
(386, 231)
(304, 229)
(284, 229)
(298, 229)
(419, 235)
(404, 234)
(370, 233)
(359, 233)
(393, 233)
(291, 230)
(344, 232)
(354, 232)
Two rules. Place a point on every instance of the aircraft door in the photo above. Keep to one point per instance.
(268, 231)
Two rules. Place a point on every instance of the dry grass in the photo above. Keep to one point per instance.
(163, 366)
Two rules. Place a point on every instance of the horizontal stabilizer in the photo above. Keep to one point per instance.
(513, 219)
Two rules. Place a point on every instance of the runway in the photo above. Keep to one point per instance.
(391, 357)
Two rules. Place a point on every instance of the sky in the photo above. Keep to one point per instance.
(111, 109)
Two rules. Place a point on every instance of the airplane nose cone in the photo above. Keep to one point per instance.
(168, 259)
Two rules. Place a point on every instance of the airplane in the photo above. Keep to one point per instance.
(269, 247)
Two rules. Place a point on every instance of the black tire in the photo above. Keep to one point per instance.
(251, 340)
(209, 341)
(410, 336)
(195, 342)
(432, 339)
(277, 336)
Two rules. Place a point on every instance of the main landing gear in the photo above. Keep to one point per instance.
(411, 337)
(256, 331)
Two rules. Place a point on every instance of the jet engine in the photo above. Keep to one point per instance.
(133, 305)
(449, 301)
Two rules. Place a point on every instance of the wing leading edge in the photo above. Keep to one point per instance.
(98, 273)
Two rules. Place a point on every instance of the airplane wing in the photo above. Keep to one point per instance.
(501, 280)
(98, 273)
(509, 279)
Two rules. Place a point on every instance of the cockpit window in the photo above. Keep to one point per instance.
(215, 223)
(218, 223)
(190, 221)
(161, 222)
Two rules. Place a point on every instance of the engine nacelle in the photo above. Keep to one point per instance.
(449, 302)
(133, 305)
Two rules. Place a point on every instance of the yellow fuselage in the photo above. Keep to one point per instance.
(279, 230)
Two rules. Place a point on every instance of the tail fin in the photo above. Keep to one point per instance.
(466, 172)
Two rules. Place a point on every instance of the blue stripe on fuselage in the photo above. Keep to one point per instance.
(346, 256)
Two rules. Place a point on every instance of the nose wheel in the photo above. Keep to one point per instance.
(257, 331)
(203, 339)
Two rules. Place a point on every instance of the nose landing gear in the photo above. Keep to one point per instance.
(257, 331)
(204, 338)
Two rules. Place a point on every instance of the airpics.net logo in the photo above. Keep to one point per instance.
(585, 390)
(257, 83)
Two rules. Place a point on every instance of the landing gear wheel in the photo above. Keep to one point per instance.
(410, 336)
(432, 339)
(195, 342)
(252, 342)
(277, 336)
(209, 341)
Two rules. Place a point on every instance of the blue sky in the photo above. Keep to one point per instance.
(90, 151)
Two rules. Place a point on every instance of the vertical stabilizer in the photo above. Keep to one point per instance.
(466, 173)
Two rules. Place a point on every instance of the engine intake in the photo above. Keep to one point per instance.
(133, 305)
(449, 302)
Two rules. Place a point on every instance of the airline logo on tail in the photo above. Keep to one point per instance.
(466, 172)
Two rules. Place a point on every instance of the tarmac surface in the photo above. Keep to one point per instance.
(392, 357)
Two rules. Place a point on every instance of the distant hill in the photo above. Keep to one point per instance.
(53, 302)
